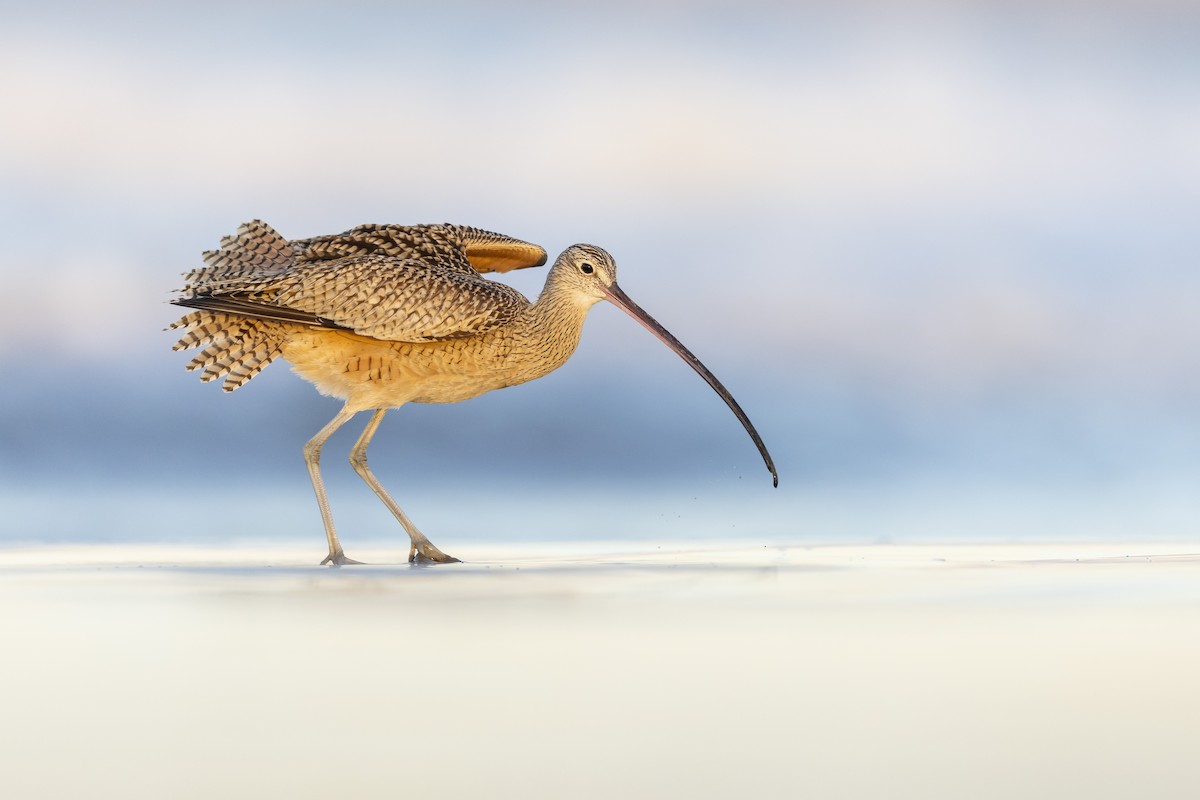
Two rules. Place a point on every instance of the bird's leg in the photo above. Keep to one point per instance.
(312, 457)
(421, 550)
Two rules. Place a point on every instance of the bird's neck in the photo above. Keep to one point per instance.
(552, 329)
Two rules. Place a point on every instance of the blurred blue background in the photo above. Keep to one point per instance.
(944, 254)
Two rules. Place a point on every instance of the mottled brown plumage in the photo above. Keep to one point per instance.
(384, 315)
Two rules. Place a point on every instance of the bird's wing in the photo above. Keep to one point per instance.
(453, 247)
(400, 300)
(495, 252)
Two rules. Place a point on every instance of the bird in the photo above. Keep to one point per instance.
(384, 315)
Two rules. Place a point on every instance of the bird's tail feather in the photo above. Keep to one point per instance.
(255, 253)
(235, 348)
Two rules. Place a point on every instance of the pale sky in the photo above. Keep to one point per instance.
(899, 229)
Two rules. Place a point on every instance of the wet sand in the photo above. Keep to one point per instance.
(593, 671)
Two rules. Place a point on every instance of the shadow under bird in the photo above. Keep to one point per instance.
(384, 315)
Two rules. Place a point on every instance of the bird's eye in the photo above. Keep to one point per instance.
(587, 268)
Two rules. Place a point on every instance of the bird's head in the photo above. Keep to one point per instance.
(585, 272)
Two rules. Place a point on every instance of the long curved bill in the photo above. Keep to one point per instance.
(621, 300)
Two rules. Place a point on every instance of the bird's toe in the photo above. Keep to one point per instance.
(338, 560)
(425, 554)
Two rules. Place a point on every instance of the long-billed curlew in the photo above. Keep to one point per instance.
(384, 315)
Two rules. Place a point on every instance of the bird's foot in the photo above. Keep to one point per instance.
(338, 559)
(424, 553)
